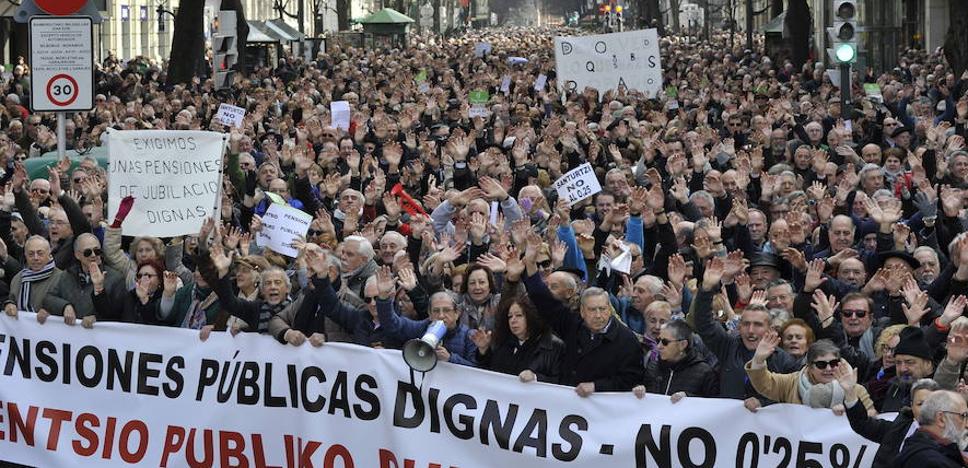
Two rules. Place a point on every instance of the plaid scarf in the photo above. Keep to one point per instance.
(28, 277)
(267, 311)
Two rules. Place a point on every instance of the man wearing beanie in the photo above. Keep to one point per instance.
(913, 361)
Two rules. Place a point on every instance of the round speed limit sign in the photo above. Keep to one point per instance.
(62, 89)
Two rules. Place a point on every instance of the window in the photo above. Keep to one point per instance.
(125, 13)
(143, 13)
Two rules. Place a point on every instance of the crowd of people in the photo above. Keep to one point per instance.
(784, 246)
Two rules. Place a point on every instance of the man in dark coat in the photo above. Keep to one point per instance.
(891, 435)
(735, 350)
(601, 354)
(937, 443)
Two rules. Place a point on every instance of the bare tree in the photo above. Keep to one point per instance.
(187, 58)
(797, 22)
(955, 48)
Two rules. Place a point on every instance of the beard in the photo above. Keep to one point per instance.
(954, 432)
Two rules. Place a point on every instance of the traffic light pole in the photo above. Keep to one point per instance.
(844, 90)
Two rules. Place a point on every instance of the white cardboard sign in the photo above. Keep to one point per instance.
(62, 63)
(578, 184)
(340, 111)
(230, 115)
(608, 61)
(174, 175)
(281, 225)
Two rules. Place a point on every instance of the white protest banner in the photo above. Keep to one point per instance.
(173, 175)
(281, 225)
(340, 111)
(607, 61)
(140, 396)
(578, 184)
(230, 115)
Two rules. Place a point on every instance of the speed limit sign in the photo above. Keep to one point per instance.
(62, 63)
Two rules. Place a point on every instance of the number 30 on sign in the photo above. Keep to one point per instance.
(62, 89)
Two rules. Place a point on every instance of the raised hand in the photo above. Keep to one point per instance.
(677, 270)
(492, 262)
(385, 284)
(824, 306)
(713, 274)
(846, 376)
(954, 309)
(492, 189)
(170, 284)
(766, 347)
(814, 277)
(482, 338)
(407, 279)
(513, 265)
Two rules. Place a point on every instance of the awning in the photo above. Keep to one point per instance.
(260, 33)
(283, 29)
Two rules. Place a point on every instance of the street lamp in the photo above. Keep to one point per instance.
(161, 11)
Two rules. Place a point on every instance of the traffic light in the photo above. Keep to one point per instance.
(30, 8)
(225, 48)
(843, 34)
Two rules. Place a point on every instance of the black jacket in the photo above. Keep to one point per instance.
(323, 302)
(922, 451)
(732, 354)
(539, 354)
(611, 360)
(889, 434)
(691, 375)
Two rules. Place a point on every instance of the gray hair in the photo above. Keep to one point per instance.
(868, 168)
(679, 329)
(936, 404)
(277, 270)
(35, 237)
(924, 384)
(820, 348)
(365, 248)
(399, 238)
(448, 294)
(82, 236)
(702, 194)
(593, 292)
(929, 250)
(652, 283)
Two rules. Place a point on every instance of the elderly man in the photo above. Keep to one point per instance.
(357, 262)
(274, 293)
(941, 436)
(84, 290)
(29, 287)
(456, 347)
(734, 350)
(465, 203)
(391, 243)
(913, 361)
(601, 354)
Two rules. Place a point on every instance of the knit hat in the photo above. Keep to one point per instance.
(913, 343)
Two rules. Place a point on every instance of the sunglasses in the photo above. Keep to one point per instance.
(313, 232)
(95, 252)
(823, 364)
(854, 313)
(369, 299)
(667, 342)
(544, 264)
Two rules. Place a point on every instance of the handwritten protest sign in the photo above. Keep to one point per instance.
(578, 184)
(608, 61)
(281, 225)
(340, 111)
(230, 115)
(173, 175)
(478, 99)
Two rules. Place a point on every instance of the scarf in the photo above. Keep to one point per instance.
(267, 311)
(202, 298)
(29, 276)
(867, 344)
(819, 395)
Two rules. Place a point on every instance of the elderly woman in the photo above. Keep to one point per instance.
(796, 338)
(521, 343)
(480, 296)
(142, 249)
(815, 385)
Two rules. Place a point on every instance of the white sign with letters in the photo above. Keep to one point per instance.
(174, 176)
(609, 61)
(281, 225)
(230, 115)
(61, 63)
(578, 184)
(340, 111)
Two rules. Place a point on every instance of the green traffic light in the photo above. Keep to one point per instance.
(845, 53)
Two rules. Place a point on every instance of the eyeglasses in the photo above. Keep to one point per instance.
(667, 342)
(854, 313)
(145, 274)
(823, 364)
(95, 252)
(313, 232)
(887, 349)
(545, 264)
(963, 415)
(40, 191)
(78, 180)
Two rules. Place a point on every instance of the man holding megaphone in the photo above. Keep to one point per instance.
(455, 345)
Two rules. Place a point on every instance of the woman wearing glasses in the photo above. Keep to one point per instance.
(680, 370)
(815, 385)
